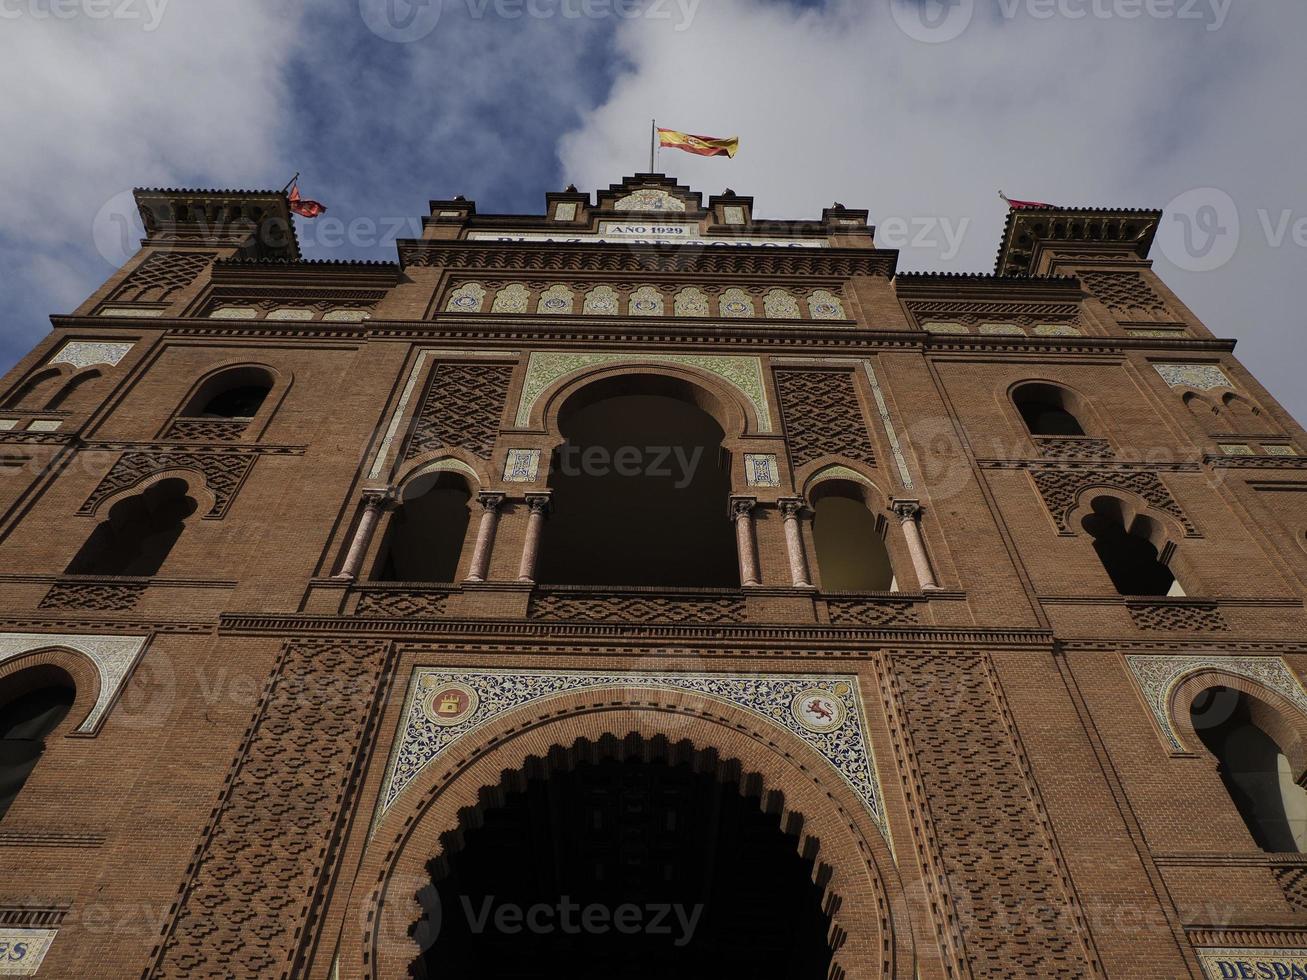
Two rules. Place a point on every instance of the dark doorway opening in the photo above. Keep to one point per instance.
(629, 837)
(425, 536)
(641, 491)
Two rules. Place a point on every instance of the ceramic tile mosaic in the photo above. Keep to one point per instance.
(446, 706)
(1203, 377)
(522, 466)
(113, 657)
(82, 354)
(547, 367)
(1158, 677)
(762, 470)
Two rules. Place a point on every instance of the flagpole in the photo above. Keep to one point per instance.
(653, 144)
(291, 181)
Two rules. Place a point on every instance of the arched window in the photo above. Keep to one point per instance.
(1253, 768)
(641, 488)
(1047, 410)
(28, 719)
(39, 390)
(849, 541)
(1241, 415)
(138, 534)
(425, 536)
(238, 393)
(1128, 550)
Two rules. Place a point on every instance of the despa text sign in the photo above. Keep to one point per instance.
(22, 950)
(1254, 964)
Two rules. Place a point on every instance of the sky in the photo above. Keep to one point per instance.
(919, 110)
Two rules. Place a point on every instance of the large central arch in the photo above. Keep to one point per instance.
(860, 887)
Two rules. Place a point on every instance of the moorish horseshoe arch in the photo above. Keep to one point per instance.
(836, 829)
(98, 666)
(735, 383)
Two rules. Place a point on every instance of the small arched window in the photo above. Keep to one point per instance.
(1254, 769)
(138, 534)
(1128, 550)
(238, 393)
(28, 720)
(425, 537)
(1047, 410)
(849, 541)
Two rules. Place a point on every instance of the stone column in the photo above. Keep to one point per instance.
(909, 511)
(742, 514)
(535, 522)
(791, 508)
(375, 503)
(490, 504)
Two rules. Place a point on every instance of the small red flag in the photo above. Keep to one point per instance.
(1022, 205)
(305, 209)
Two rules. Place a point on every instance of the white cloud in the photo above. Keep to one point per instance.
(840, 103)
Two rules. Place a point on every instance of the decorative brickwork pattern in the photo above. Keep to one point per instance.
(206, 430)
(99, 596)
(822, 416)
(223, 475)
(1060, 489)
(1293, 882)
(1056, 448)
(999, 866)
(636, 608)
(1126, 293)
(407, 604)
(161, 275)
(871, 612)
(246, 908)
(1178, 616)
(462, 408)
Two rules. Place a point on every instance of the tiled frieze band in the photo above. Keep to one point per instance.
(445, 706)
(545, 368)
(1158, 677)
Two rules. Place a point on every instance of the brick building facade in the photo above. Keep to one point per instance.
(333, 588)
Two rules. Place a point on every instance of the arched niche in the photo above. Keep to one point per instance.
(850, 535)
(862, 891)
(430, 526)
(641, 481)
(139, 530)
(97, 665)
(1049, 409)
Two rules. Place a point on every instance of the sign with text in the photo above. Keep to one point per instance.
(22, 950)
(1254, 964)
(649, 233)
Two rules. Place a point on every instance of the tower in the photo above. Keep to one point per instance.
(645, 586)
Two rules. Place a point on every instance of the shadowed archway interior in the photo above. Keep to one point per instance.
(623, 866)
(641, 489)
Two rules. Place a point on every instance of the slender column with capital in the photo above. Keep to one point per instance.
(742, 514)
(375, 503)
(490, 504)
(535, 522)
(908, 512)
(791, 508)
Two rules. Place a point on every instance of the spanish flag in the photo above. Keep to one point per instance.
(704, 146)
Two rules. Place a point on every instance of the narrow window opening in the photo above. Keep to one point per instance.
(138, 534)
(28, 720)
(1047, 411)
(425, 536)
(850, 545)
(1130, 559)
(1253, 768)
